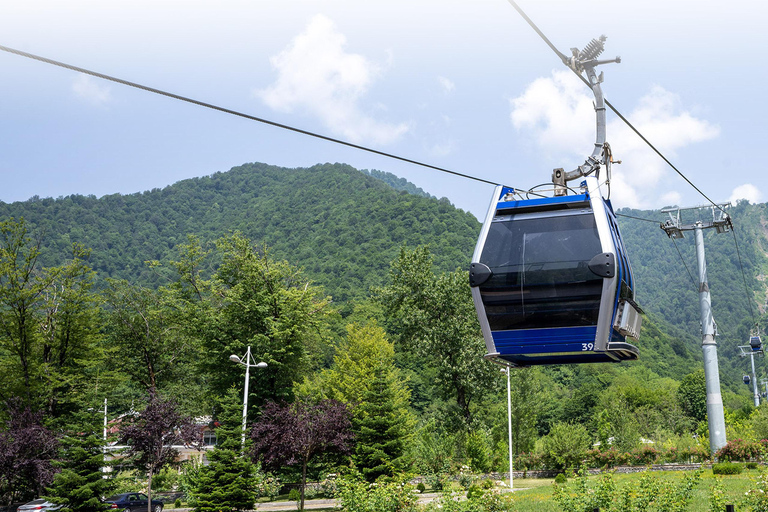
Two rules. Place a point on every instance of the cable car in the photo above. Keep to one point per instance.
(551, 281)
(550, 276)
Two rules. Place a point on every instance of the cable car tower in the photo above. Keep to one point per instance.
(675, 229)
(755, 348)
(550, 276)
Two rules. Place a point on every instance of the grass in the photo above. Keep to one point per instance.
(536, 494)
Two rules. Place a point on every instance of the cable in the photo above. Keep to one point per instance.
(636, 218)
(695, 286)
(614, 109)
(744, 277)
(239, 114)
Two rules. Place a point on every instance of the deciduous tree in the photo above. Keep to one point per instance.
(293, 434)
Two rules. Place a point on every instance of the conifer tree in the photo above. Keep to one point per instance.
(228, 482)
(382, 424)
(80, 484)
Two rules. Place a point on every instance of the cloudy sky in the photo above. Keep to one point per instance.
(460, 84)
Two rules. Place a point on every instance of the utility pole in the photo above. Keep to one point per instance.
(675, 229)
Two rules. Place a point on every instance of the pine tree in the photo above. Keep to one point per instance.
(228, 482)
(80, 484)
(383, 424)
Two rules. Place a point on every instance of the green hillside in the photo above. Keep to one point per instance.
(344, 227)
(341, 225)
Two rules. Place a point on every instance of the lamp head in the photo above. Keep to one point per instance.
(235, 359)
(262, 364)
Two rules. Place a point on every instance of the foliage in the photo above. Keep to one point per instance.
(150, 436)
(80, 485)
(27, 449)
(757, 498)
(433, 450)
(383, 425)
(358, 496)
(436, 320)
(727, 468)
(741, 450)
(717, 500)
(228, 481)
(251, 300)
(565, 445)
(561, 478)
(293, 434)
(651, 493)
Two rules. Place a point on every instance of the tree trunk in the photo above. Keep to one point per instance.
(149, 491)
(303, 482)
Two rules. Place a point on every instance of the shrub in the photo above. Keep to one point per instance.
(421, 487)
(488, 484)
(294, 495)
(565, 445)
(644, 456)
(177, 503)
(727, 468)
(561, 479)
(358, 496)
(474, 492)
(740, 450)
(751, 465)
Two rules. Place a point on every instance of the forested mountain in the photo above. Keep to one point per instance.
(341, 225)
(344, 227)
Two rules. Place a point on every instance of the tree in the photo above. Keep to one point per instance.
(228, 481)
(436, 319)
(27, 450)
(293, 434)
(383, 425)
(692, 395)
(80, 485)
(145, 330)
(565, 444)
(251, 300)
(150, 436)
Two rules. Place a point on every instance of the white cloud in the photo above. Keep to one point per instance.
(747, 191)
(558, 114)
(317, 75)
(446, 85)
(92, 91)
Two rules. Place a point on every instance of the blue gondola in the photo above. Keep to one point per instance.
(550, 277)
(551, 281)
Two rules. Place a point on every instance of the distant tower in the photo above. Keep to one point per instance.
(674, 229)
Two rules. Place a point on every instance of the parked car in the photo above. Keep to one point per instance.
(133, 502)
(38, 505)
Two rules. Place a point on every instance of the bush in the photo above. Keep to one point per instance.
(474, 492)
(421, 487)
(177, 503)
(561, 479)
(751, 465)
(740, 450)
(358, 496)
(727, 468)
(294, 495)
(488, 484)
(565, 445)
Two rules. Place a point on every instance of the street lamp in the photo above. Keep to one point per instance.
(249, 363)
(509, 423)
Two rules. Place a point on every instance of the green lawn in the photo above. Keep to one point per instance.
(536, 494)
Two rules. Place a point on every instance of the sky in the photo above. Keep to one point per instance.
(465, 85)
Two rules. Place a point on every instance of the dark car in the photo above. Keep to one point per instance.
(133, 502)
(39, 505)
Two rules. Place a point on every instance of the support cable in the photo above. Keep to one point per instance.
(614, 109)
(695, 286)
(239, 114)
(744, 278)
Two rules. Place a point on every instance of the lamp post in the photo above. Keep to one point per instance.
(247, 361)
(509, 424)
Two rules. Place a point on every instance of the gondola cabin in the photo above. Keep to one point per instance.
(551, 281)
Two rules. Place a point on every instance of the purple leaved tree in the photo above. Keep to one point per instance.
(26, 451)
(152, 435)
(292, 434)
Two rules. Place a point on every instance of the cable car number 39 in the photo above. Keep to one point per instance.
(587, 346)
